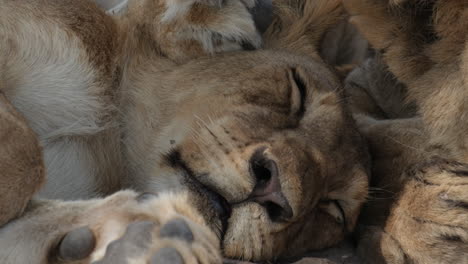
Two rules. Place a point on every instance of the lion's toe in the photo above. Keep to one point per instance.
(167, 255)
(77, 244)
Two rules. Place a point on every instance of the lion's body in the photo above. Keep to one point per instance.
(61, 79)
(410, 103)
(164, 99)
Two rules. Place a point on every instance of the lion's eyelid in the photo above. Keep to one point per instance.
(298, 93)
(334, 209)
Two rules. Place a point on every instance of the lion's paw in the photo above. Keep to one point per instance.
(127, 228)
(429, 222)
(208, 27)
(413, 36)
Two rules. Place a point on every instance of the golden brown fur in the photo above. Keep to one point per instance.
(416, 129)
(162, 99)
(21, 167)
(174, 107)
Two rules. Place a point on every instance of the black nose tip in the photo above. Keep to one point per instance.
(267, 190)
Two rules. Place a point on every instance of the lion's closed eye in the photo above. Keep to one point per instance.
(298, 93)
(334, 209)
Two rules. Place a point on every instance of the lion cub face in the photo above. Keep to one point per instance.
(270, 145)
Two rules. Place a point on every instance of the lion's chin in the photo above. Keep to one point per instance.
(248, 236)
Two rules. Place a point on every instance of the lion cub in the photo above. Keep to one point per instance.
(220, 117)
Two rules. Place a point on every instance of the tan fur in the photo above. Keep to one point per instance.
(161, 99)
(417, 206)
(21, 167)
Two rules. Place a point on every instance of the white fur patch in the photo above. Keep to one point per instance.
(70, 171)
(48, 78)
(113, 7)
(176, 8)
(233, 26)
(111, 231)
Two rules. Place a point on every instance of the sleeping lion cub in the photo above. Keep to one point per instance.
(233, 141)
(188, 131)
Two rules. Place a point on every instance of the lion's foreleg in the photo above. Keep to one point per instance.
(21, 165)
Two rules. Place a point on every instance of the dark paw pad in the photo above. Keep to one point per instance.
(77, 244)
(177, 228)
(139, 233)
(167, 256)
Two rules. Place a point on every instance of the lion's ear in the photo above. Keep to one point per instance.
(300, 25)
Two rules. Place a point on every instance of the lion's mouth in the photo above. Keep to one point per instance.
(220, 205)
(216, 207)
(212, 204)
(266, 191)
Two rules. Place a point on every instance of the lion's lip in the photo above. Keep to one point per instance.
(221, 207)
(217, 207)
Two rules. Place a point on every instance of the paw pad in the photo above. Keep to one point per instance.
(139, 233)
(77, 244)
(167, 256)
(177, 228)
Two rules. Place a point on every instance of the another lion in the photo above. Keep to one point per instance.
(236, 145)
(414, 119)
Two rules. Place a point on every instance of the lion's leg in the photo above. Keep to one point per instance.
(187, 29)
(424, 45)
(184, 30)
(429, 221)
(301, 25)
(143, 229)
(415, 213)
(373, 91)
(389, 231)
(125, 228)
(21, 165)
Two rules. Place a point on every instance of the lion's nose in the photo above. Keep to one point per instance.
(267, 190)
